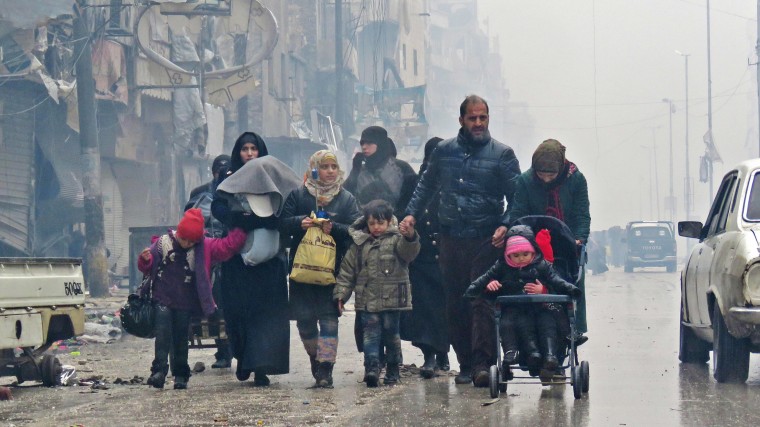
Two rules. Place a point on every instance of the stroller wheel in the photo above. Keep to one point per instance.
(584, 375)
(493, 381)
(577, 378)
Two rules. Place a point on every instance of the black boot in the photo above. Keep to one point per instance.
(465, 375)
(428, 368)
(324, 375)
(391, 374)
(442, 361)
(157, 379)
(314, 366)
(550, 360)
(158, 373)
(372, 372)
(533, 354)
(260, 379)
(180, 383)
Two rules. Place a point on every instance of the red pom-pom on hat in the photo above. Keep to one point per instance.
(190, 227)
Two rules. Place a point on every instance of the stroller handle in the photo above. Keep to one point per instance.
(533, 299)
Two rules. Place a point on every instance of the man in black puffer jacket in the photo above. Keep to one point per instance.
(474, 174)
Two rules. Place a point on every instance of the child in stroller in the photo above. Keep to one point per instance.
(524, 270)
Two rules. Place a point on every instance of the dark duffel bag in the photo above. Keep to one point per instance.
(138, 316)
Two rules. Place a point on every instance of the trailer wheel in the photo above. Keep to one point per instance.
(51, 370)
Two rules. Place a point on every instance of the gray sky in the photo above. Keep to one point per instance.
(594, 73)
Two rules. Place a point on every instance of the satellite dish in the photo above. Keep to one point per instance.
(255, 15)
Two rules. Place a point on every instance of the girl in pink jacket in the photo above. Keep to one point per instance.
(180, 263)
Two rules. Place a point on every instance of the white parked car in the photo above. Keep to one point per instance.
(720, 283)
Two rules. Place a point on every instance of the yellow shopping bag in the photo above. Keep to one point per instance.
(314, 262)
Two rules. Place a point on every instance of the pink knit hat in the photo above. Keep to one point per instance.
(518, 244)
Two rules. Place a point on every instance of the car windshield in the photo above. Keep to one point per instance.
(753, 203)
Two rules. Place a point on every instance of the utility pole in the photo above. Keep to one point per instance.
(757, 70)
(687, 179)
(96, 267)
(671, 196)
(339, 62)
(709, 150)
(656, 174)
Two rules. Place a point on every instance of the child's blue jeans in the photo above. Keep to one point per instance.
(381, 329)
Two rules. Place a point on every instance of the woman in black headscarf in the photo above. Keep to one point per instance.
(255, 297)
(378, 174)
(425, 326)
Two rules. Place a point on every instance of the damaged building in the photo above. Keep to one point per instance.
(177, 82)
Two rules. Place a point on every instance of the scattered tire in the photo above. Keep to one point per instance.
(51, 370)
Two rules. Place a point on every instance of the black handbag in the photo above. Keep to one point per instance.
(138, 314)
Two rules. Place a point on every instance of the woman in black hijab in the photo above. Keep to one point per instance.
(255, 297)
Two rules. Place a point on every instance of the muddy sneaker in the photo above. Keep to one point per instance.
(157, 380)
(180, 383)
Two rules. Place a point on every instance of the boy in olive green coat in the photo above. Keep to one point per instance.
(376, 267)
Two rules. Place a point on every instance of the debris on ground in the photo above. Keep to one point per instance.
(68, 375)
(5, 393)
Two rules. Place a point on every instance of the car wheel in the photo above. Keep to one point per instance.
(671, 268)
(730, 355)
(690, 348)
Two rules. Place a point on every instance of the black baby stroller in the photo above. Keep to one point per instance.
(568, 261)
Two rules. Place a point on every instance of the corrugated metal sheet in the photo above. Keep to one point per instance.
(116, 235)
(16, 160)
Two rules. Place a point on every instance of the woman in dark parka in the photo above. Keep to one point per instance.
(426, 326)
(312, 305)
(554, 186)
(255, 297)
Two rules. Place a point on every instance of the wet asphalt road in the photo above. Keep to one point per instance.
(636, 380)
